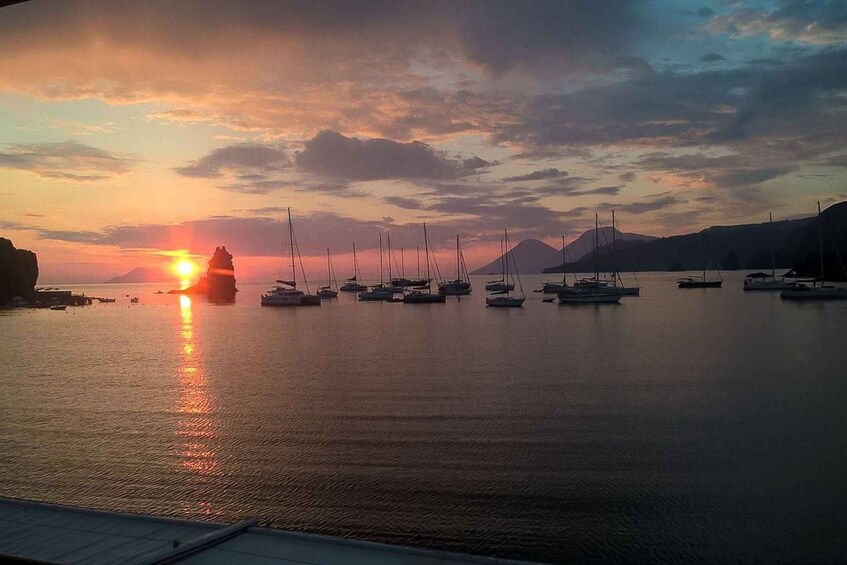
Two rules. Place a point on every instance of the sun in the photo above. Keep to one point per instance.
(184, 268)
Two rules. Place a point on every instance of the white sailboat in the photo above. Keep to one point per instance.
(286, 292)
(762, 281)
(352, 284)
(330, 290)
(811, 290)
(461, 286)
(503, 298)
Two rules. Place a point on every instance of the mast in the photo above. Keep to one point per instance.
(389, 259)
(506, 261)
(820, 237)
(355, 264)
(596, 243)
(291, 244)
(502, 261)
(564, 270)
(418, 252)
(402, 265)
(458, 269)
(328, 273)
(770, 233)
(380, 259)
(426, 252)
(615, 273)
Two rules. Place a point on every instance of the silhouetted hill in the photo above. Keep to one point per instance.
(139, 275)
(530, 256)
(18, 271)
(533, 256)
(745, 246)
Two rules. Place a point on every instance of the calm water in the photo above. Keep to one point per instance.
(685, 425)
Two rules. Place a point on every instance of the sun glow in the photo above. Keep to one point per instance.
(184, 268)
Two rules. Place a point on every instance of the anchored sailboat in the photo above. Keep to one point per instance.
(762, 281)
(331, 288)
(590, 291)
(500, 284)
(503, 299)
(811, 290)
(286, 292)
(380, 291)
(352, 284)
(462, 284)
(422, 294)
(552, 287)
(700, 281)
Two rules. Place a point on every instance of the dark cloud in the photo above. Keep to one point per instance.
(627, 177)
(65, 160)
(331, 154)
(712, 57)
(538, 175)
(650, 205)
(249, 161)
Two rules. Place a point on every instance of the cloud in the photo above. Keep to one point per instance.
(538, 175)
(331, 154)
(65, 160)
(809, 21)
(712, 58)
(247, 159)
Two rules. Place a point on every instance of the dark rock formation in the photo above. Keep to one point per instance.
(219, 283)
(18, 272)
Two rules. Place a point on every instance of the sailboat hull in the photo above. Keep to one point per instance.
(801, 292)
(423, 298)
(699, 284)
(504, 302)
(588, 297)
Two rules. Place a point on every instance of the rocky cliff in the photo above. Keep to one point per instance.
(18, 272)
(219, 283)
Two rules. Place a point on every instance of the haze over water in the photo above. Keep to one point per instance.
(690, 426)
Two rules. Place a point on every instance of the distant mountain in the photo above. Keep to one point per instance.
(746, 246)
(584, 244)
(533, 256)
(139, 275)
(530, 256)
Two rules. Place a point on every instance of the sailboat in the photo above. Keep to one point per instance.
(380, 291)
(331, 288)
(590, 291)
(811, 290)
(460, 286)
(500, 284)
(422, 294)
(503, 299)
(762, 281)
(352, 284)
(552, 287)
(402, 280)
(286, 293)
(700, 281)
(394, 288)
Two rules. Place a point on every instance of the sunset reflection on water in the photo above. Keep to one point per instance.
(195, 427)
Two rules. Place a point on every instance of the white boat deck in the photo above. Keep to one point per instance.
(36, 532)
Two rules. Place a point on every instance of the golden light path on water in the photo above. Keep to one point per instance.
(195, 428)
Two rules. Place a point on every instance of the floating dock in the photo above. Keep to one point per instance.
(35, 532)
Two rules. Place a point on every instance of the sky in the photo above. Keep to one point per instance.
(136, 133)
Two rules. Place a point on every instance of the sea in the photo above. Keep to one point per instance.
(681, 426)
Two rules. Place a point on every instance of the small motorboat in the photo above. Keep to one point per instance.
(58, 307)
(134, 300)
(548, 299)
